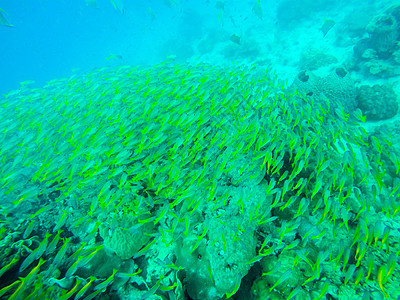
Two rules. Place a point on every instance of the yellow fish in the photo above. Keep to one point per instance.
(3, 20)
(118, 5)
(328, 24)
(257, 10)
(114, 56)
(170, 3)
(235, 38)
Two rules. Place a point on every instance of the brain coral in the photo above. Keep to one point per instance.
(337, 87)
(314, 58)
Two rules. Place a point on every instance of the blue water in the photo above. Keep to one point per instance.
(53, 39)
(213, 149)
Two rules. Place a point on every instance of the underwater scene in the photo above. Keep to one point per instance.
(196, 150)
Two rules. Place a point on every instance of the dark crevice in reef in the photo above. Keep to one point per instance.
(245, 290)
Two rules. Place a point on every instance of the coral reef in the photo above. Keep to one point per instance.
(377, 54)
(313, 58)
(354, 23)
(338, 87)
(377, 102)
(383, 32)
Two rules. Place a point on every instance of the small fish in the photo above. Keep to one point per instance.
(349, 273)
(358, 276)
(118, 5)
(8, 266)
(153, 289)
(323, 290)
(61, 222)
(299, 182)
(106, 282)
(93, 295)
(61, 253)
(9, 287)
(220, 5)
(83, 290)
(302, 206)
(391, 265)
(274, 269)
(77, 252)
(171, 57)
(85, 260)
(294, 293)
(294, 244)
(28, 230)
(91, 3)
(3, 20)
(285, 276)
(170, 3)
(265, 242)
(32, 274)
(151, 13)
(328, 24)
(346, 256)
(255, 259)
(42, 246)
(25, 282)
(359, 116)
(128, 275)
(257, 10)
(74, 267)
(43, 209)
(67, 295)
(28, 261)
(105, 187)
(381, 279)
(236, 287)
(64, 283)
(162, 213)
(114, 57)
(167, 263)
(317, 187)
(235, 38)
(134, 229)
